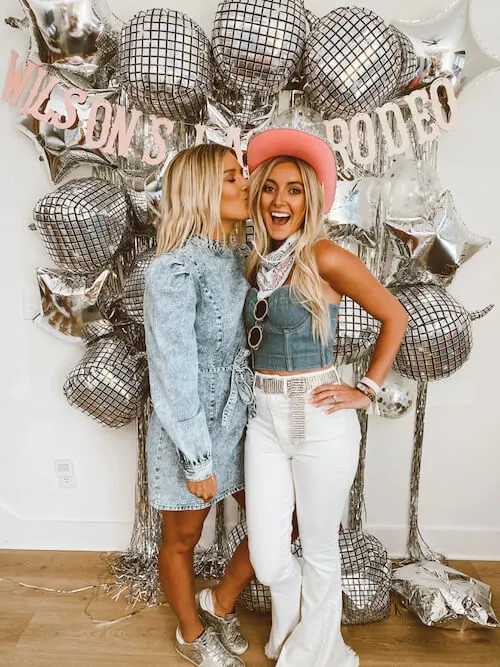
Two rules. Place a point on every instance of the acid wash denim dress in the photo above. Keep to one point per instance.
(201, 383)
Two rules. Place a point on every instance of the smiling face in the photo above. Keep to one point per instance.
(234, 198)
(283, 201)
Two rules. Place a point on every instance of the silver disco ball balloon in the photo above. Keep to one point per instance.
(366, 577)
(352, 62)
(133, 289)
(438, 339)
(257, 44)
(82, 223)
(109, 382)
(165, 64)
(357, 332)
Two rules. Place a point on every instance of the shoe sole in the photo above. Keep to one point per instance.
(206, 619)
(185, 658)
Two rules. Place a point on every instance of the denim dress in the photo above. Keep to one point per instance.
(201, 383)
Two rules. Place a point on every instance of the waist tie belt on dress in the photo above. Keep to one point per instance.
(241, 383)
(296, 388)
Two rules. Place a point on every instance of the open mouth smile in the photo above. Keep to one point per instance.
(280, 218)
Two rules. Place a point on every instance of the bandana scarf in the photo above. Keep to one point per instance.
(275, 267)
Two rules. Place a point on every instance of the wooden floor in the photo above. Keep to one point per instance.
(45, 629)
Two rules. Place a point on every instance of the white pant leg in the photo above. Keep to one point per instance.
(323, 470)
(270, 501)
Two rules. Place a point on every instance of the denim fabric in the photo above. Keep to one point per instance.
(198, 367)
(288, 343)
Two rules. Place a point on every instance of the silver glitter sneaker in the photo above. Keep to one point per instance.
(207, 651)
(228, 628)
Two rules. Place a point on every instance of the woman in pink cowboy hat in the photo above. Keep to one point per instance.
(301, 448)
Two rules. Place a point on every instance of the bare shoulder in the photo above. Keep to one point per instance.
(328, 253)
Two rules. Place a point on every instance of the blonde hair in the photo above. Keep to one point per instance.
(306, 284)
(191, 194)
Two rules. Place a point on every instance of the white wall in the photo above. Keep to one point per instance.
(460, 490)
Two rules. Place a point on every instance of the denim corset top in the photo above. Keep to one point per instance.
(288, 343)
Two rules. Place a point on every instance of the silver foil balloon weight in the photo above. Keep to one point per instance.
(442, 596)
(109, 382)
(438, 339)
(357, 332)
(165, 64)
(352, 62)
(257, 44)
(69, 301)
(397, 396)
(133, 289)
(82, 224)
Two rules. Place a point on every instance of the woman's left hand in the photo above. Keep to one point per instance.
(338, 397)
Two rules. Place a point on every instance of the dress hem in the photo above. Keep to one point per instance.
(179, 508)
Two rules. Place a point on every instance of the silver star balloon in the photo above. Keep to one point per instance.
(437, 245)
(71, 37)
(64, 150)
(70, 302)
(447, 46)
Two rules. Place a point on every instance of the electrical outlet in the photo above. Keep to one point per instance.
(66, 482)
(64, 471)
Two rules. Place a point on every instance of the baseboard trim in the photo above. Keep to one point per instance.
(460, 543)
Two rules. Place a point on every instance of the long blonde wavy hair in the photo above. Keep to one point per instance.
(191, 194)
(305, 284)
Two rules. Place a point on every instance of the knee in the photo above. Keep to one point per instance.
(269, 569)
(181, 540)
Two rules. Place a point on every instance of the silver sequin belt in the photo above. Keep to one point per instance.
(296, 387)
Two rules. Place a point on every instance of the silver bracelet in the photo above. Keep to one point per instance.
(367, 391)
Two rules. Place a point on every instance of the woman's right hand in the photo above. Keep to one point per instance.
(204, 489)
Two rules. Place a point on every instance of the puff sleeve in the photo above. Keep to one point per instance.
(169, 319)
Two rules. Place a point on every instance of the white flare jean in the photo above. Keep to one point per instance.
(314, 476)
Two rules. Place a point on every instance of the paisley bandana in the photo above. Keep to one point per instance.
(275, 267)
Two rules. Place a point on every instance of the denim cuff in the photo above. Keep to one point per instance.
(195, 471)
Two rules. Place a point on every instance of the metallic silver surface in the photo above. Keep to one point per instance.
(70, 302)
(257, 44)
(396, 397)
(82, 224)
(352, 62)
(442, 596)
(357, 332)
(109, 382)
(438, 339)
(165, 64)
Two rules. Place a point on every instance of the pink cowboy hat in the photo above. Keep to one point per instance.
(296, 143)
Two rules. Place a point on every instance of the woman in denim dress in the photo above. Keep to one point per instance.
(302, 446)
(201, 387)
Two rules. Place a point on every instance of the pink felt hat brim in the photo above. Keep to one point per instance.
(279, 141)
